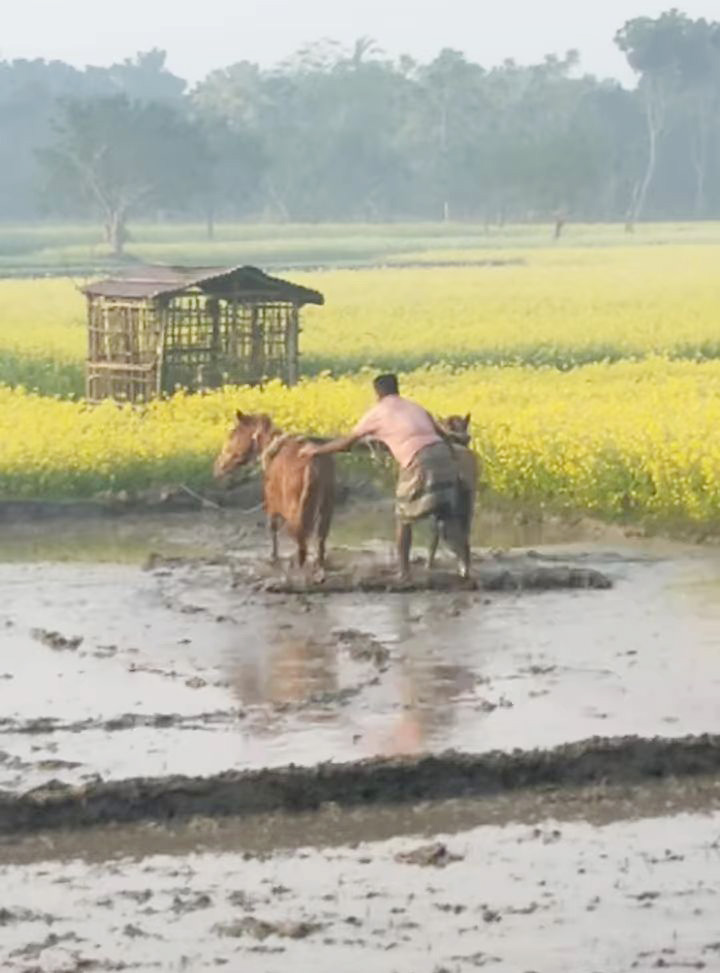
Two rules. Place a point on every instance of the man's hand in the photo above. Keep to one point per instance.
(334, 446)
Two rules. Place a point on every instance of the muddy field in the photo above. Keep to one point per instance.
(155, 649)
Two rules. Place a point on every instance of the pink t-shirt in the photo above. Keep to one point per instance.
(402, 425)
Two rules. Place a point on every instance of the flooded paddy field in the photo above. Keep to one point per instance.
(140, 651)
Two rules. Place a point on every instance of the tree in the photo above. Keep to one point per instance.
(233, 176)
(142, 78)
(343, 132)
(699, 80)
(678, 61)
(451, 116)
(114, 157)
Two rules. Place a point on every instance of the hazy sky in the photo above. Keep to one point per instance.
(200, 35)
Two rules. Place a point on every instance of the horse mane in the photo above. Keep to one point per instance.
(277, 441)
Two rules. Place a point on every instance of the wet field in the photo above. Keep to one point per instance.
(117, 665)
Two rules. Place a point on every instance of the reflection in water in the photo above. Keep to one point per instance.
(293, 670)
(425, 680)
(639, 659)
(429, 693)
(430, 685)
(290, 671)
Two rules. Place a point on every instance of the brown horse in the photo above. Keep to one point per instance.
(457, 430)
(298, 490)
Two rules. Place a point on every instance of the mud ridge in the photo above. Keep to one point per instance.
(490, 574)
(126, 721)
(605, 760)
(495, 579)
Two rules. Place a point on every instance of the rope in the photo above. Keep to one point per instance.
(196, 496)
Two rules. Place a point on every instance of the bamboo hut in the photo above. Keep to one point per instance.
(160, 328)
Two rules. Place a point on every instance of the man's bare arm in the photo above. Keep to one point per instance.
(340, 445)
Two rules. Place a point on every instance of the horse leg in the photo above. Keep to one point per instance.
(274, 526)
(301, 541)
(434, 541)
(456, 537)
(404, 543)
(323, 527)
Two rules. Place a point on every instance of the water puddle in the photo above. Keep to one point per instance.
(179, 672)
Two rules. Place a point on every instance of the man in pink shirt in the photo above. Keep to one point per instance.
(428, 480)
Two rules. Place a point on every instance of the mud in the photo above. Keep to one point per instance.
(198, 773)
(435, 855)
(489, 574)
(55, 640)
(602, 760)
(536, 890)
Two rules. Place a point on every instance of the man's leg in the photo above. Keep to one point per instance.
(456, 537)
(404, 543)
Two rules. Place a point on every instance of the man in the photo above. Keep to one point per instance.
(428, 483)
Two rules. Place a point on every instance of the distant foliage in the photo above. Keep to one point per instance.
(338, 134)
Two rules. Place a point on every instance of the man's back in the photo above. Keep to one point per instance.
(404, 426)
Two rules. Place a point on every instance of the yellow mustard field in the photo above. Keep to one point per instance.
(558, 307)
(608, 399)
(561, 308)
(625, 439)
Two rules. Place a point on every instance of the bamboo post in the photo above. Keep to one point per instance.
(213, 309)
(292, 344)
(256, 346)
(159, 323)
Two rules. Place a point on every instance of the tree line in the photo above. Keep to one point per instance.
(348, 134)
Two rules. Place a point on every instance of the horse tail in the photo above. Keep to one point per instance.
(464, 503)
(455, 526)
(307, 504)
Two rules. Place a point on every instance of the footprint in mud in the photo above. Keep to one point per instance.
(667, 958)
(363, 647)
(33, 950)
(488, 706)
(195, 682)
(262, 928)
(135, 932)
(436, 855)
(645, 900)
(476, 959)
(141, 896)
(546, 836)
(241, 900)
(54, 764)
(337, 697)
(9, 917)
(55, 640)
(191, 903)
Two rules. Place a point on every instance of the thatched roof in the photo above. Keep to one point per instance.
(149, 282)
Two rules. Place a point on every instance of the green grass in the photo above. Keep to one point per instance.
(44, 375)
(77, 249)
